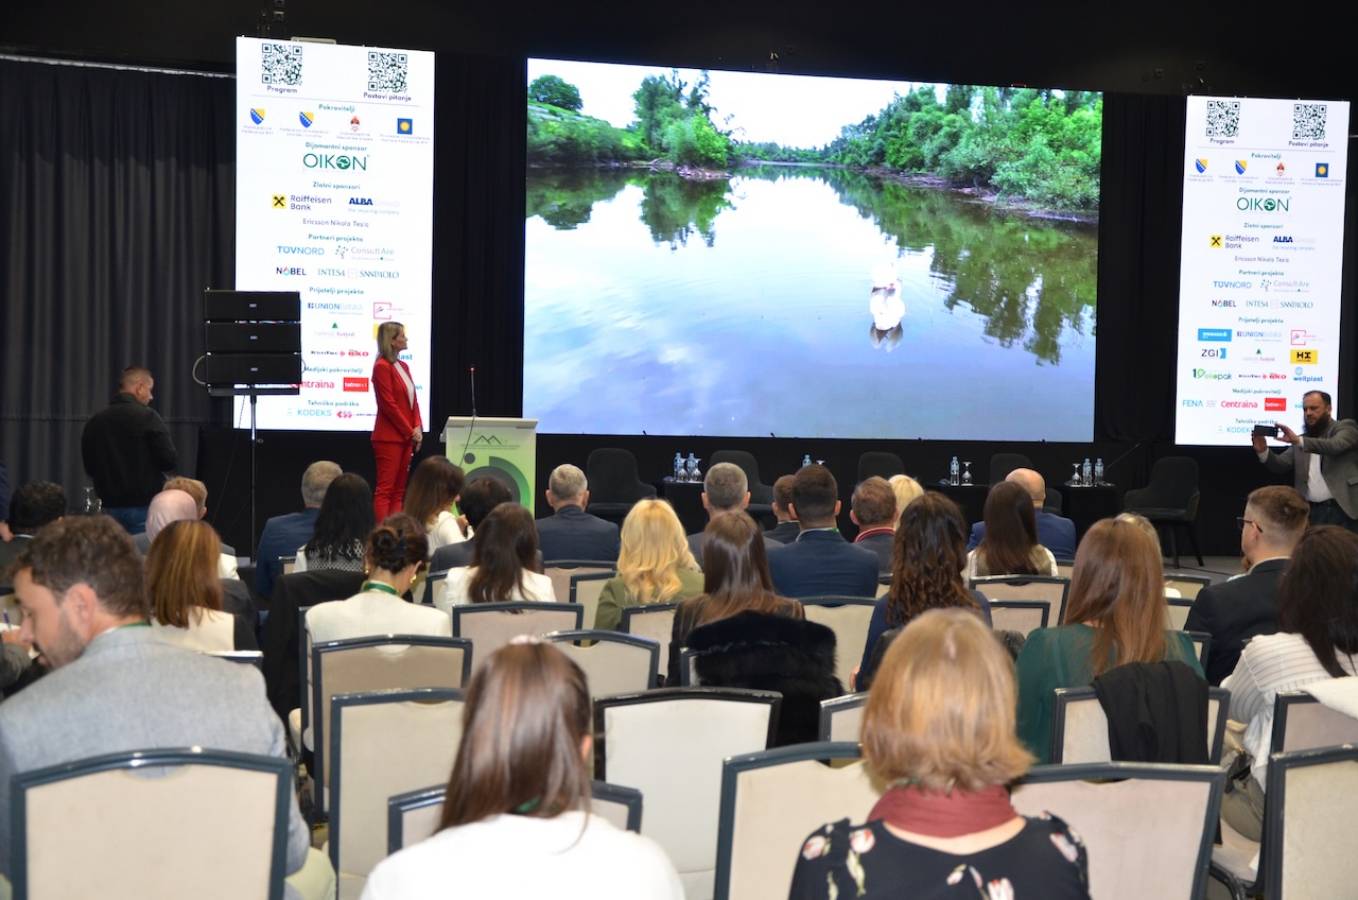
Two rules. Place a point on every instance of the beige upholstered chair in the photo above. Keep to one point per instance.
(1307, 853)
(1027, 587)
(561, 571)
(489, 626)
(654, 621)
(1187, 585)
(669, 744)
(383, 743)
(585, 588)
(848, 618)
(770, 802)
(841, 718)
(289, 564)
(614, 663)
(1176, 613)
(87, 826)
(1080, 728)
(1148, 828)
(1023, 616)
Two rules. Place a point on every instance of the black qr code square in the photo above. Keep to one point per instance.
(1223, 118)
(1308, 121)
(280, 64)
(387, 72)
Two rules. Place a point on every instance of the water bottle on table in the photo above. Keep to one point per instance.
(953, 478)
(1098, 470)
(678, 466)
(1086, 473)
(806, 460)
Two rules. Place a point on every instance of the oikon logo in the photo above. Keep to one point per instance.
(335, 161)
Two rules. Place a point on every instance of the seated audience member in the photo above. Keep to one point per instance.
(907, 491)
(654, 564)
(725, 489)
(938, 728)
(570, 532)
(195, 489)
(34, 505)
(504, 553)
(396, 551)
(282, 535)
(1054, 532)
(434, 488)
(1235, 611)
(1009, 544)
(926, 574)
(787, 529)
(1116, 615)
(115, 685)
(172, 505)
(873, 509)
(820, 562)
(516, 820)
(1316, 641)
(479, 497)
(185, 591)
(342, 526)
(735, 579)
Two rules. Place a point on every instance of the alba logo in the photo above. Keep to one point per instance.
(1275, 404)
(341, 161)
(356, 385)
(360, 201)
(1263, 204)
(1304, 357)
(1282, 239)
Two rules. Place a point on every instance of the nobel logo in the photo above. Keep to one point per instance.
(342, 161)
(290, 270)
(1263, 204)
(1304, 357)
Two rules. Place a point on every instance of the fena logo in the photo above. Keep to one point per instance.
(1192, 404)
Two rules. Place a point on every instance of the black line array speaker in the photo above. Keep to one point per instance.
(253, 340)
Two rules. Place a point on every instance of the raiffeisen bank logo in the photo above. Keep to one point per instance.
(341, 161)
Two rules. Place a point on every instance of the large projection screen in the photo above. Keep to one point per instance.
(1259, 283)
(334, 199)
(726, 253)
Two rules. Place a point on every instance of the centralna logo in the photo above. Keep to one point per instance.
(257, 115)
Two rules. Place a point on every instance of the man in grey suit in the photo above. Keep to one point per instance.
(725, 489)
(1323, 461)
(115, 687)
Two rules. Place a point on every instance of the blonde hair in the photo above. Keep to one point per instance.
(906, 490)
(191, 486)
(653, 550)
(386, 333)
(941, 711)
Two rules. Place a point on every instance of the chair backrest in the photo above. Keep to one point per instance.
(770, 801)
(883, 585)
(1023, 616)
(1080, 728)
(879, 463)
(434, 586)
(383, 743)
(654, 621)
(1202, 642)
(561, 571)
(1054, 590)
(585, 588)
(1187, 585)
(1176, 614)
(1001, 464)
(289, 563)
(1301, 722)
(1148, 828)
(613, 663)
(688, 672)
(490, 626)
(840, 717)
(848, 618)
(612, 476)
(414, 816)
(250, 657)
(1064, 568)
(1304, 854)
(669, 744)
(80, 826)
(379, 663)
(1173, 483)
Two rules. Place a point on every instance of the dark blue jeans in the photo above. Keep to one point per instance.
(1329, 513)
(133, 518)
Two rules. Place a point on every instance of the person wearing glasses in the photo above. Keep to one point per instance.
(1235, 611)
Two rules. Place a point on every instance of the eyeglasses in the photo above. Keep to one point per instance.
(1241, 522)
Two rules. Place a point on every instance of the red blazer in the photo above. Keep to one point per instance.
(396, 418)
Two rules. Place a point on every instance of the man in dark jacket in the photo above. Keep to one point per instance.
(787, 529)
(873, 510)
(570, 532)
(820, 562)
(127, 450)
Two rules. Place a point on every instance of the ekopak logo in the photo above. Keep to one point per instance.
(1214, 334)
(1211, 375)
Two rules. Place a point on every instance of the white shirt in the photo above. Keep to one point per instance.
(410, 385)
(226, 567)
(445, 531)
(1317, 491)
(972, 565)
(519, 856)
(536, 587)
(212, 632)
(373, 612)
(1270, 663)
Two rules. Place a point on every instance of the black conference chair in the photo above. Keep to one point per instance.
(1001, 464)
(614, 486)
(761, 494)
(1170, 501)
(880, 463)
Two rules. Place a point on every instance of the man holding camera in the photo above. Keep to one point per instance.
(1323, 461)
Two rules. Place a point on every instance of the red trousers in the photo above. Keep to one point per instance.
(393, 467)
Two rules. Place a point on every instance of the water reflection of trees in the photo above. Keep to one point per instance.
(676, 208)
(565, 197)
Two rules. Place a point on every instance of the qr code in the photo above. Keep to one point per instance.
(1308, 121)
(387, 72)
(280, 64)
(1223, 118)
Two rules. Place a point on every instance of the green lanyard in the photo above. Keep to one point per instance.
(379, 586)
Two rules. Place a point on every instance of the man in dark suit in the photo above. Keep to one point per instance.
(725, 489)
(820, 562)
(33, 505)
(787, 529)
(479, 496)
(1235, 611)
(1054, 532)
(873, 509)
(570, 532)
(1323, 462)
(282, 535)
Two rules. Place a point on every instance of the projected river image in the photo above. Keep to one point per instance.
(727, 257)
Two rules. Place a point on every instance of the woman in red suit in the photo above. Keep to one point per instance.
(398, 429)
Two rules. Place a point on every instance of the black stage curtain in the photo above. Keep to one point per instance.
(116, 210)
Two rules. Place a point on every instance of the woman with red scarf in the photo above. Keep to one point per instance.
(398, 430)
(939, 729)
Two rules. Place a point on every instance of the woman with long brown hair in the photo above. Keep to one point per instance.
(185, 590)
(434, 488)
(926, 572)
(516, 819)
(1009, 545)
(1116, 615)
(504, 555)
